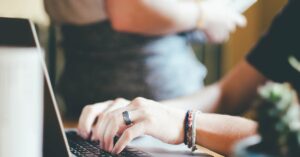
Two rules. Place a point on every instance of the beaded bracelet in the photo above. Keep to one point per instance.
(186, 126)
(194, 133)
(190, 129)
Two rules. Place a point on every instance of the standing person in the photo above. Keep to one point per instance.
(134, 48)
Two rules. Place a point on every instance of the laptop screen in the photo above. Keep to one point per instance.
(16, 33)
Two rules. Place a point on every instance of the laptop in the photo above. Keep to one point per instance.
(59, 142)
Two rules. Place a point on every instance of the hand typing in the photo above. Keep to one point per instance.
(148, 117)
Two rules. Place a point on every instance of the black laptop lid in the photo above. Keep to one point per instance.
(16, 33)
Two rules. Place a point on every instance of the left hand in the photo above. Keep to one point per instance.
(148, 117)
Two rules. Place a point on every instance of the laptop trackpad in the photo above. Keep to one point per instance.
(159, 149)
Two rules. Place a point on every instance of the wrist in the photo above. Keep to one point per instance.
(181, 122)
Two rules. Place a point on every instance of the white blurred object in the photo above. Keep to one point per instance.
(31, 9)
(221, 17)
(219, 20)
(21, 102)
(239, 5)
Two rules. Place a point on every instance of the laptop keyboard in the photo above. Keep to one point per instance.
(84, 148)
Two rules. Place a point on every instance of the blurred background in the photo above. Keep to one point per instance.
(219, 59)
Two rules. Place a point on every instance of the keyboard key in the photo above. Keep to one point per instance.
(84, 148)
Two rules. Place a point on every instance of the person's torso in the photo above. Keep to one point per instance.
(116, 63)
(76, 11)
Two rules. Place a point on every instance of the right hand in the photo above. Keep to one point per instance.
(148, 118)
(219, 20)
(90, 113)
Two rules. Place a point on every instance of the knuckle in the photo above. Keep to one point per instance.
(143, 111)
(138, 101)
(119, 100)
(151, 120)
(88, 108)
(135, 104)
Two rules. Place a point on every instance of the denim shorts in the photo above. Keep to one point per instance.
(102, 64)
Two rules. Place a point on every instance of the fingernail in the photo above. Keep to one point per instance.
(110, 148)
(93, 138)
(79, 133)
(84, 134)
(113, 151)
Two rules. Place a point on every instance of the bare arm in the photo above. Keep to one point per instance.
(152, 17)
(220, 132)
(230, 95)
(214, 131)
(160, 17)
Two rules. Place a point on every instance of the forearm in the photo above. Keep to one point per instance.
(220, 132)
(153, 17)
(231, 95)
(206, 100)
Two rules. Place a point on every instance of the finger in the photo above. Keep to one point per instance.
(226, 37)
(118, 103)
(127, 136)
(115, 116)
(218, 38)
(208, 36)
(111, 105)
(88, 116)
(112, 128)
(240, 20)
(138, 103)
(117, 125)
(109, 135)
(98, 131)
(231, 27)
(95, 132)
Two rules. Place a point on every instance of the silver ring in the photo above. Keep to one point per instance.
(126, 118)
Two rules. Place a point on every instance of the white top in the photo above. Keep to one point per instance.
(76, 11)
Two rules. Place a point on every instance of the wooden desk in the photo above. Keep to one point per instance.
(73, 124)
